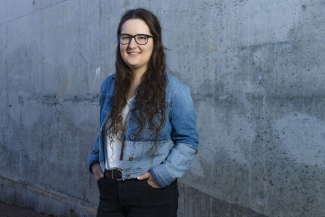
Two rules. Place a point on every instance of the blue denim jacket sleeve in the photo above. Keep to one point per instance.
(185, 137)
(94, 155)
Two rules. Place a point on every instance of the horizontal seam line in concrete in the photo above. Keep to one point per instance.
(288, 42)
(58, 197)
(32, 12)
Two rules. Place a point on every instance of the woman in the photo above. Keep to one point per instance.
(147, 135)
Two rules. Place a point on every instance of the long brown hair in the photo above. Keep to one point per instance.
(149, 109)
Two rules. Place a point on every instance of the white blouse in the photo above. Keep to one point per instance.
(113, 151)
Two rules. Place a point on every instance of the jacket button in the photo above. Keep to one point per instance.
(133, 118)
(131, 137)
(128, 175)
(131, 158)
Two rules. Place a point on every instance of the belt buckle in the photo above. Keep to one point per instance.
(120, 171)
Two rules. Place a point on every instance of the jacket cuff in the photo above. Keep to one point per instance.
(164, 178)
(175, 165)
(91, 160)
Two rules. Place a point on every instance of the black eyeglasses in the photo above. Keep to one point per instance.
(140, 39)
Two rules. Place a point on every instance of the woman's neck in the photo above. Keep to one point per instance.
(134, 85)
(138, 73)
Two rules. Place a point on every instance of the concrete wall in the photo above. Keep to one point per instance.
(257, 74)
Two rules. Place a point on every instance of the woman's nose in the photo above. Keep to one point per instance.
(132, 43)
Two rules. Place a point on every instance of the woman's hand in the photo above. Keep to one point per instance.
(150, 179)
(97, 171)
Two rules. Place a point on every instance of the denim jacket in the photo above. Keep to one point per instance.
(177, 143)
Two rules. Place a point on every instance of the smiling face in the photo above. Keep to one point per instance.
(136, 56)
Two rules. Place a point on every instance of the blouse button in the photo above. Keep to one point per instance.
(131, 158)
(128, 175)
(132, 137)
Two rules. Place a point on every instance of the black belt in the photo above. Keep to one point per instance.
(114, 174)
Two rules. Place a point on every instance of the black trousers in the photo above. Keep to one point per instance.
(135, 198)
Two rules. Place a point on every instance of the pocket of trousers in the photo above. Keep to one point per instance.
(147, 184)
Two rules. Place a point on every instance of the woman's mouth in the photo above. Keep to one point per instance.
(134, 53)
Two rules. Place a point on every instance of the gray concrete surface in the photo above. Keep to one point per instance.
(257, 74)
(8, 210)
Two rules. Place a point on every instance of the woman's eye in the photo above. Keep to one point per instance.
(142, 37)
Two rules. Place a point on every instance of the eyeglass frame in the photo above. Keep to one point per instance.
(133, 36)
